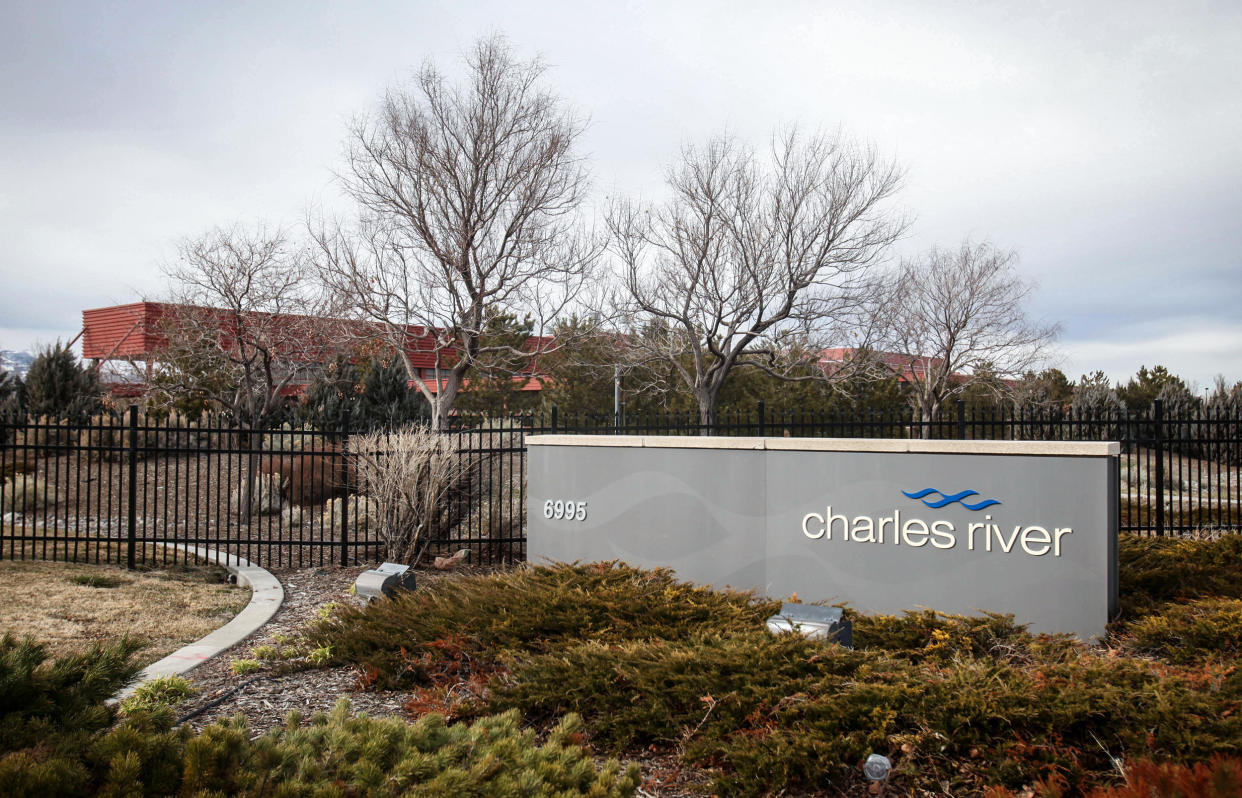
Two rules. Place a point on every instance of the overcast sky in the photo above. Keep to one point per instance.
(1101, 140)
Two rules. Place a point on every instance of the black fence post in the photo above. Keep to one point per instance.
(1159, 445)
(554, 419)
(961, 419)
(132, 520)
(344, 476)
(763, 429)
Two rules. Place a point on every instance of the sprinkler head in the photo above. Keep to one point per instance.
(877, 767)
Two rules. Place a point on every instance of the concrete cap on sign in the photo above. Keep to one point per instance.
(897, 445)
(584, 440)
(678, 442)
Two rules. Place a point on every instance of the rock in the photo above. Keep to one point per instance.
(267, 498)
(449, 563)
(360, 509)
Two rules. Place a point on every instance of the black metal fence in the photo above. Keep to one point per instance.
(110, 490)
(120, 490)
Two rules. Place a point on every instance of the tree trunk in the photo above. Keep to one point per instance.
(927, 414)
(246, 443)
(446, 395)
(707, 414)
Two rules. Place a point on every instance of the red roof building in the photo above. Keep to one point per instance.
(907, 368)
(132, 333)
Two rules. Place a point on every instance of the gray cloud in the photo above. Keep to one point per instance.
(1098, 139)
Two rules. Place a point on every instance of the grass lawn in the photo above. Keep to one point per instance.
(68, 606)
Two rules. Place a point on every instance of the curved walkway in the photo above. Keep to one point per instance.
(266, 596)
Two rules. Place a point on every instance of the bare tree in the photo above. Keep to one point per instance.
(749, 262)
(239, 328)
(955, 317)
(468, 198)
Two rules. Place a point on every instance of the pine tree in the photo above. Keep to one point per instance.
(59, 386)
(363, 392)
(11, 395)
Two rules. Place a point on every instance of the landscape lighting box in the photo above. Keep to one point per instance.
(813, 622)
(384, 581)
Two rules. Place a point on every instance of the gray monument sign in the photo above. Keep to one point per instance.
(886, 525)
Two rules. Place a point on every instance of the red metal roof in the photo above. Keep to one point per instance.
(905, 367)
(121, 331)
(133, 332)
(434, 386)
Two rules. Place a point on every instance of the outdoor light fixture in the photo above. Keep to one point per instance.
(813, 622)
(877, 767)
(384, 581)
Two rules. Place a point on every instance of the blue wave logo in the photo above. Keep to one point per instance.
(949, 499)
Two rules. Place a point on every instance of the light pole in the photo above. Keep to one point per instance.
(616, 398)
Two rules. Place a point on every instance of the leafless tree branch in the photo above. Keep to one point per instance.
(954, 317)
(468, 197)
(239, 327)
(750, 260)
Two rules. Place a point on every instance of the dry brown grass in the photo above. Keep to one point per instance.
(165, 609)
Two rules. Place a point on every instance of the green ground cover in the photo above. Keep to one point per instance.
(521, 680)
(960, 704)
(58, 737)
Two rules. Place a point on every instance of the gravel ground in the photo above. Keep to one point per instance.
(264, 698)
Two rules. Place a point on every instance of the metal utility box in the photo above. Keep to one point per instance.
(814, 622)
(384, 581)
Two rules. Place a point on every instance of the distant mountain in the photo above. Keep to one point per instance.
(16, 362)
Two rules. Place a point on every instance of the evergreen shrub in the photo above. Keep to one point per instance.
(535, 609)
(57, 739)
(332, 755)
(1157, 570)
(59, 386)
(753, 707)
(960, 704)
(42, 703)
(12, 405)
(1195, 631)
(365, 392)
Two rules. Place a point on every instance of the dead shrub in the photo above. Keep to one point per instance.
(416, 480)
(1220, 777)
(25, 493)
(111, 438)
(45, 435)
(292, 438)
